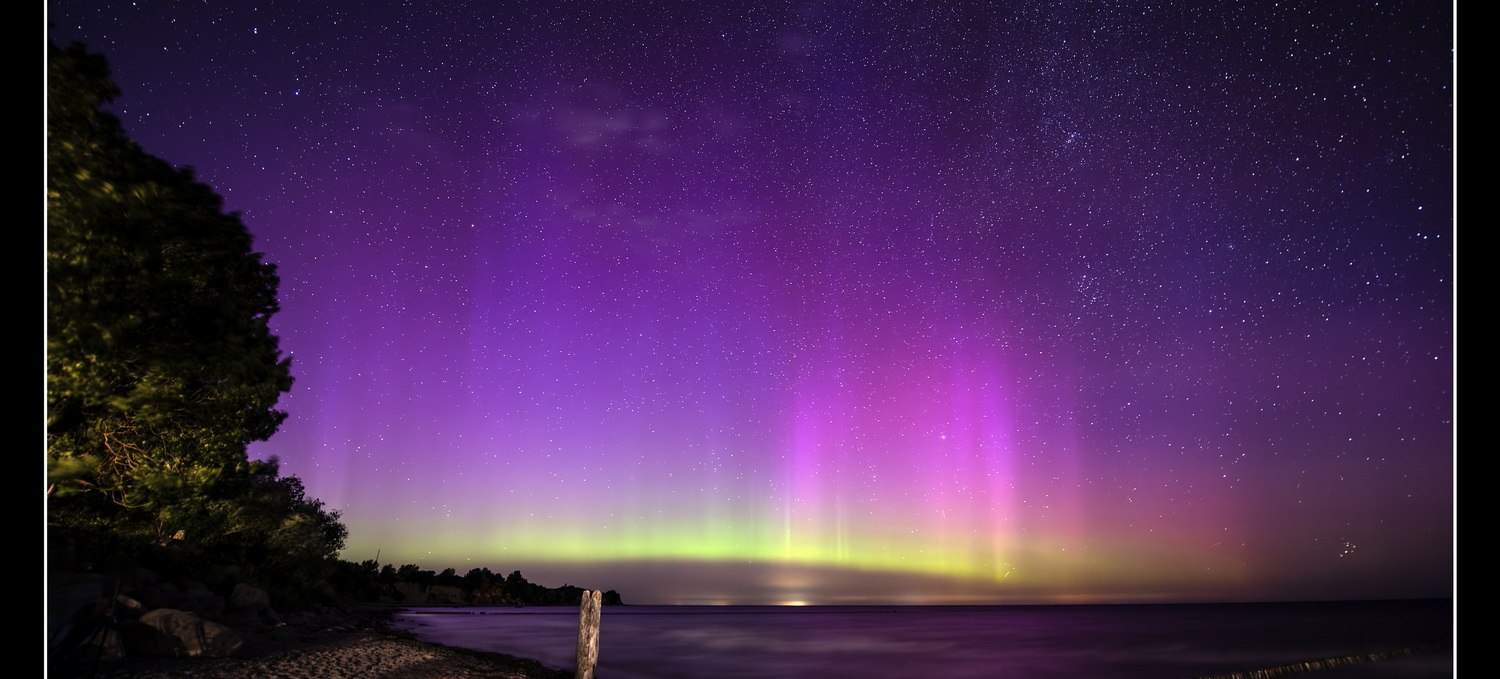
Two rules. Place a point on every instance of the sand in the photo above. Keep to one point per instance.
(363, 649)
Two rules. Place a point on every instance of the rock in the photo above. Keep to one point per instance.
(128, 608)
(177, 633)
(251, 598)
(195, 598)
(244, 620)
(282, 633)
(150, 595)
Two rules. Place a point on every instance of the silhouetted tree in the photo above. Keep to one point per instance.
(161, 367)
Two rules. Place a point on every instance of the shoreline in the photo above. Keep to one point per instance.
(357, 647)
(363, 642)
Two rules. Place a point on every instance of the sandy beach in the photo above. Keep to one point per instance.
(355, 649)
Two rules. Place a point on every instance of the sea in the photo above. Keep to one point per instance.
(1407, 639)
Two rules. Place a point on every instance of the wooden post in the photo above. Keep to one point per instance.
(588, 633)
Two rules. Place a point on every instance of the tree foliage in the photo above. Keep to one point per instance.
(368, 581)
(161, 365)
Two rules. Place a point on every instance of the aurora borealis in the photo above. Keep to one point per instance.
(835, 301)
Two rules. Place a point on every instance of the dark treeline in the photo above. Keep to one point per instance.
(369, 581)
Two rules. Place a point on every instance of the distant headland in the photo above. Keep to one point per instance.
(412, 586)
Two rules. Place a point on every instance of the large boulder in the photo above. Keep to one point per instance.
(251, 599)
(149, 594)
(194, 597)
(249, 596)
(172, 632)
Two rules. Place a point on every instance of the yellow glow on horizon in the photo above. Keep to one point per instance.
(1001, 565)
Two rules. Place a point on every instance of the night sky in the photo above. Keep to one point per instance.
(747, 302)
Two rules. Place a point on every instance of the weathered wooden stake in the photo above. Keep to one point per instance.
(588, 633)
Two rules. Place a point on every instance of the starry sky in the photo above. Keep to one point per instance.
(830, 302)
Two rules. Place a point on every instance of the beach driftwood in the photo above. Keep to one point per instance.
(588, 633)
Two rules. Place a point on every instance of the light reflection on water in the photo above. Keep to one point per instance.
(641, 642)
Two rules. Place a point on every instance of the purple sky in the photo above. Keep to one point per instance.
(842, 301)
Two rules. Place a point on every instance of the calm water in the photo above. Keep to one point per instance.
(638, 642)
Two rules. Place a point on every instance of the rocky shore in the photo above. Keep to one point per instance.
(325, 645)
(155, 630)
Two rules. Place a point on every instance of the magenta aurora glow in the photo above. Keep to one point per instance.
(824, 303)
